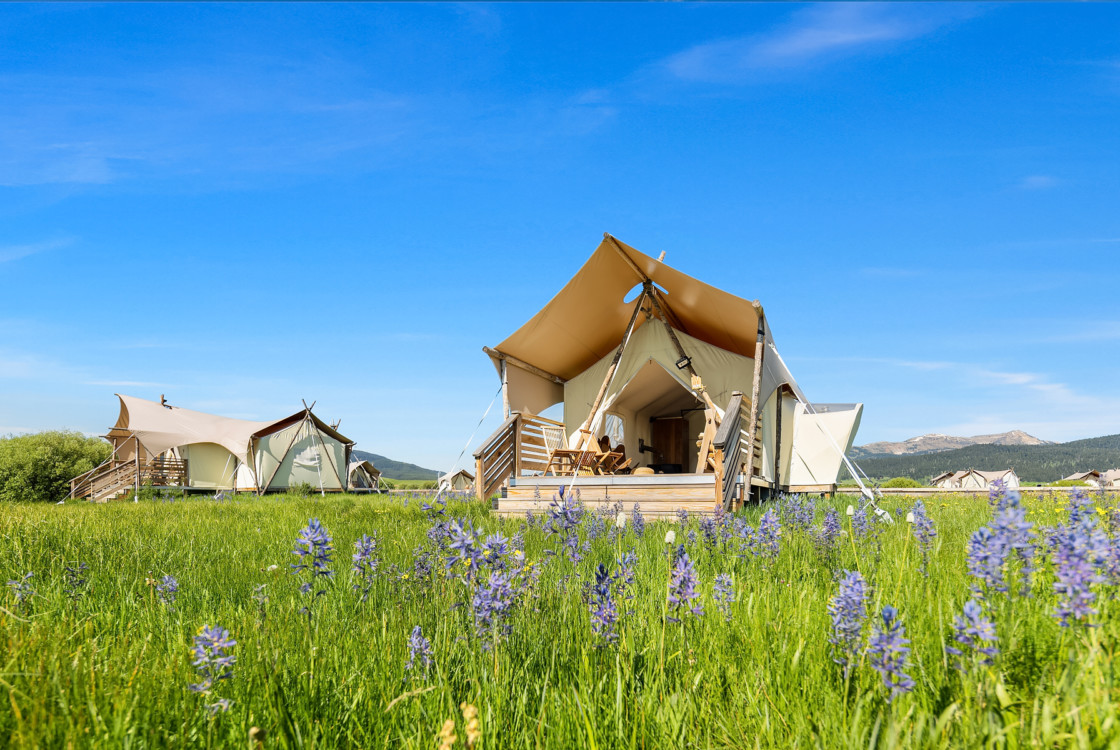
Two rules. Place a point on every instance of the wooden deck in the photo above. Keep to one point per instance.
(660, 495)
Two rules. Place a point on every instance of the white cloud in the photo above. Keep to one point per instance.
(15, 252)
(813, 34)
(1038, 182)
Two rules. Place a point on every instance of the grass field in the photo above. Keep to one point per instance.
(112, 667)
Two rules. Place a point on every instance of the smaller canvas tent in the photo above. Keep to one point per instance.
(160, 444)
(1089, 478)
(1111, 478)
(972, 479)
(364, 477)
(460, 481)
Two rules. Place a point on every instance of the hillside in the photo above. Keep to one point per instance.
(936, 442)
(391, 469)
(1033, 463)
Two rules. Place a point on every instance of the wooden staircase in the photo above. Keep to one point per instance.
(116, 477)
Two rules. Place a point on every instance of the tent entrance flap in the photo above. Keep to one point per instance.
(642, 411)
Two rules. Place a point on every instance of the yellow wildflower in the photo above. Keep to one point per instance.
(447, 735)
(470, 715)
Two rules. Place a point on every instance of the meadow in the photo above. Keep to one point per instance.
(732, 634)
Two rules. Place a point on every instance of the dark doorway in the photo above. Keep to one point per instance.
(669, 436)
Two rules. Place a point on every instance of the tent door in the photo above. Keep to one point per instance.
(669, 438)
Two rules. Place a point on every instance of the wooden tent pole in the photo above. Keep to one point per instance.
(505, 389)
(756, 389)
(622, 253)
(503, 357)
(672, 334)
(614, 365)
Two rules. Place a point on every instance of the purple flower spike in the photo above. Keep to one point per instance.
(887, 650)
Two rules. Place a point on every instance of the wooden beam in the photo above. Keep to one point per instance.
(502, 356)
(670, 315)
(505, 389)
(672, 334)
(756, 388)
(622, 254)
(585, 429)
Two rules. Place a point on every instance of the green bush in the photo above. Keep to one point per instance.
(902, 482)
(39, 467)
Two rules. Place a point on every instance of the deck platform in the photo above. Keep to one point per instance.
(660, 495)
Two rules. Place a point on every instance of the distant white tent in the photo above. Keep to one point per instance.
(364, 476)
(169, 445)
(460, 481)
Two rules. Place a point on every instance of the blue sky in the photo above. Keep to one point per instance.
(241, 206)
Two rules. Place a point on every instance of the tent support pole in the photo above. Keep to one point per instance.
(503, 357)
(585, 436)
(756, 390)
(622, 254)
(505, 389)
(672, 334)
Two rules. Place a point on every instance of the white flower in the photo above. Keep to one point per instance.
(271, 568)
(910, 517)
(670, 536)
(851, 511)
(620, 520)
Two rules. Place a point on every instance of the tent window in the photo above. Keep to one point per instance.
(613, 429)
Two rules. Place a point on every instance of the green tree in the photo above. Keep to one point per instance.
(39, 467)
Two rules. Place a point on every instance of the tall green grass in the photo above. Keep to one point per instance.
(113, 669)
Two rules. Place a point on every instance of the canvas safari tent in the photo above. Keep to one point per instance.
(679, 377)
(160, 444)
(364, 477)
(460, 481)
(973, 479)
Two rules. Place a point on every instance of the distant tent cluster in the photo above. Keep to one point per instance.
(1101, 479)
(972, 479)
(163, 445)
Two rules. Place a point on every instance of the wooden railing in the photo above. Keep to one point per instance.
(730, 444)
(518, 445)
(113, 476)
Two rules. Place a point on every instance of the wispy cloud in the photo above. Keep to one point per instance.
(892, 273)
(9, 253)
(811, 35)
(126, 384)
(1038, 182)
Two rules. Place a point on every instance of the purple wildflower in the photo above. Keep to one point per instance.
(213, 662)
(21, 587)
(167, 590)
(492, 605)
(421, 564)
(797, 512)
(828, 532)
(418, 648)
(766, 538)
(848, 610)
(682, 588)
(604, 614)
(494, 551)
(465, 549)
(723, 591)
(313, 548)
(565, 513)
(638, 521)
(1080, 550)
(682, 517)
(75, 586)
(887, 649)
(366, 561)
(624, 577)
(709, 527)
(974, 633)
(924, 532)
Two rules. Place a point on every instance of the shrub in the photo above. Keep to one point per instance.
(902, 482)
(39, 467)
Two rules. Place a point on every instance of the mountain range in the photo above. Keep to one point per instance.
(1045, 462)
(935, 443)
(391, 469)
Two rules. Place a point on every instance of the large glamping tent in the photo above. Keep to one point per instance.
(155, 442)
(645, 357)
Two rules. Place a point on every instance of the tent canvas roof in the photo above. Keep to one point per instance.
(162, 427)
(585, 321)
